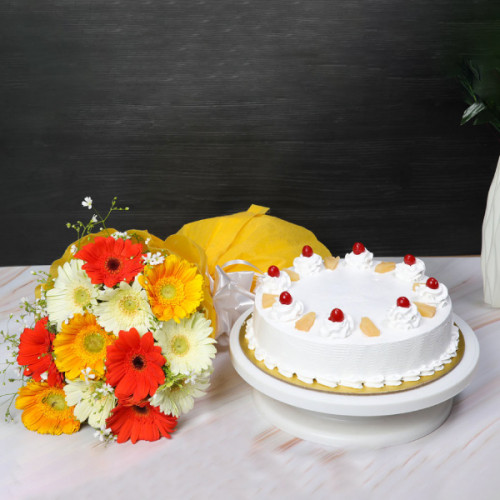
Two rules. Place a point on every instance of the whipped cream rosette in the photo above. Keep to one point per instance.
(274, 281)
(308, 262)
(338, 325)
(286, 308)
(432, 292)
(359, 258)
(411, 269)
(404, 315)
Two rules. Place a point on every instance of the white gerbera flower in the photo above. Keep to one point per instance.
(179, 397)
(92, 400)
(124, 308)
(187, 345)
(73, 292)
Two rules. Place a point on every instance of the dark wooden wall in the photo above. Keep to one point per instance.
(341, 116)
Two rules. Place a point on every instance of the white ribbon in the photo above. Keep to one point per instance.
(231, 294)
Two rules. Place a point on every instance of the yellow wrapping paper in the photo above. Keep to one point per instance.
(252, 236)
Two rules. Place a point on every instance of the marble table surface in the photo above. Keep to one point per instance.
(224, 449)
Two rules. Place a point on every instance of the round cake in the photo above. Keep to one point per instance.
(352, 322)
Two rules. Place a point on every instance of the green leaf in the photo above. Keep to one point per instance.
(474, 70)
(472, 111)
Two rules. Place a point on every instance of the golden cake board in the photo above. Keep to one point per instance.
(386, 389)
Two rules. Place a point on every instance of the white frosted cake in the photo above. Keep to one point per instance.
(352, 322)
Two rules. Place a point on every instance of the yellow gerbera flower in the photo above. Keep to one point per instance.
(45, 409)
(174, 288)
(81, 344)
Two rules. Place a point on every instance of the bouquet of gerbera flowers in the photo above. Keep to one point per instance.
(121, 339)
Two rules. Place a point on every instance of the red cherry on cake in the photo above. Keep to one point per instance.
(432, 283)
(273, 271)
(307, 251)
(285, 298)
(337, 316)
(403, 302)
(358, 248)
(410, 259)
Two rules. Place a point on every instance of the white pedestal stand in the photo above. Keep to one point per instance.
(359, 421)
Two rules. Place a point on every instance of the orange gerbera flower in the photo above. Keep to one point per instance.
(81, 344)
(174, 288)
(110, 261)
(45, 409)
(133, 366)
(35, 350)
(140, 422)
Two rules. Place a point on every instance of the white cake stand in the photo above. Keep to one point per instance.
(359, 421)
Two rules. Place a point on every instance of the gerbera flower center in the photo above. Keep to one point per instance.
(113, 264)
(180, 345)
(81, 296)
(129, 304)
(138, 362)
(55, 401)
(141, 410)
(94, 342)
(168, 292)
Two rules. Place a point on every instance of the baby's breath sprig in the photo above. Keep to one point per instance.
(10, 370)
(105, 436)
(153, 259)
(96, 220)
(8, 417)
(31, 312)
(37, 309)
(42, 276)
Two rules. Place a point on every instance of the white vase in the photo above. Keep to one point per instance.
(490, 249)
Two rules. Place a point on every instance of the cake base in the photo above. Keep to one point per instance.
(360, 421)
